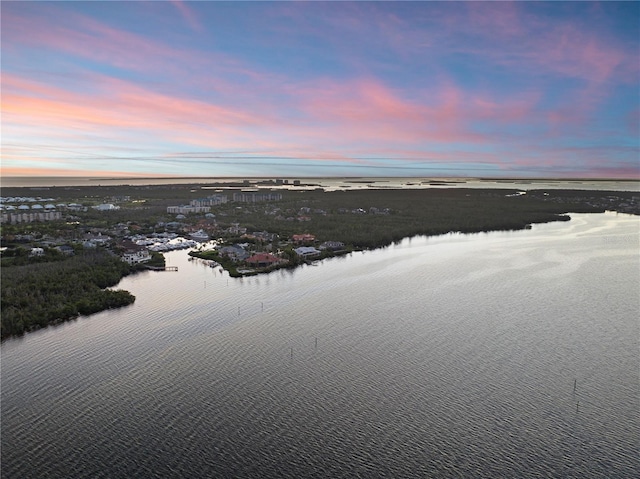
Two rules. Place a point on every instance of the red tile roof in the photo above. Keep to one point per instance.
(263, 258)
(304, 237)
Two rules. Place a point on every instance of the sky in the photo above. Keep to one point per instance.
(254, 89)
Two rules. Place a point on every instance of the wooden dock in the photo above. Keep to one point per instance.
(163, 268)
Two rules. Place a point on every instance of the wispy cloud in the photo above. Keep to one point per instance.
(329, 120)
(358, 84)
(189, 15)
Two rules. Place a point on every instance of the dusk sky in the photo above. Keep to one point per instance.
(481, 89)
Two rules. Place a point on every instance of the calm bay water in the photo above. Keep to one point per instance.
(452, 356)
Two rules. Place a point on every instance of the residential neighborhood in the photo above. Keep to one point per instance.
(247, 231)
(76, 243)
(199, 225)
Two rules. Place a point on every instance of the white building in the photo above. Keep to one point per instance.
(307, 251)
(256, 196)
(106, 207)
(14, 217)
(212, 200)
(332, 245)
(134, 256)
(186, 209)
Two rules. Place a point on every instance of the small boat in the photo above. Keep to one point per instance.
(200, 236)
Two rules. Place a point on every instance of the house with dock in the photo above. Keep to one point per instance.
(307, 252)
(234, 252)
(332, 245)
(263, 260)
(134, 254)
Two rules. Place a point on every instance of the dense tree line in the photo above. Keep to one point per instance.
(18, 255)
(40, 293)
(363, 219)
(411, 213)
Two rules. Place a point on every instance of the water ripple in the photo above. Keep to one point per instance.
(421, 361)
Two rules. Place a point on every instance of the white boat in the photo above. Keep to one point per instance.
(200, 236)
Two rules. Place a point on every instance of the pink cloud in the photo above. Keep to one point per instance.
(366, 109)
(566, 47)
(607, 171)
(512, 34)
(633, 122)
(88, 38)
(328, 117)
(120, 105)
(576, 53)
(502, 19)
(40, 171)
(324, 120)
(188, 14)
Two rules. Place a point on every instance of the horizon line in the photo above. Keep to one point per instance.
(224, 177)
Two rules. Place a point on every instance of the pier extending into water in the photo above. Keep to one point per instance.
(162, 268)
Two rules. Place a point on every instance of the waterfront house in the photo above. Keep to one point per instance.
(134, 253)
(234, 252)
(307, 252)
(262, 260)
(332, 245)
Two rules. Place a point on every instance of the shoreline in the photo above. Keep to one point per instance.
(305, 262)
(356, 220)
